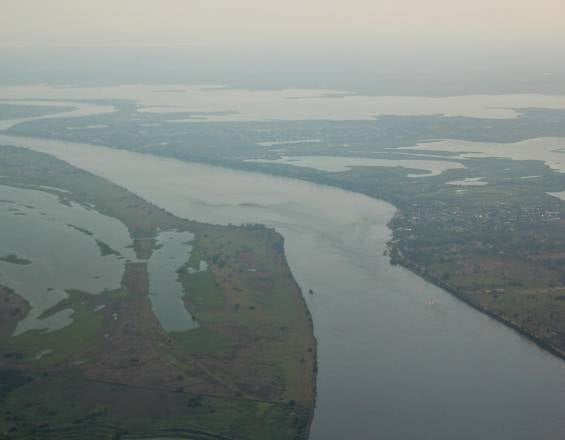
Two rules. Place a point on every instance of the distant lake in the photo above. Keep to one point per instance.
(338, 164)
(549, 150)
(217, 103)
(165, 290)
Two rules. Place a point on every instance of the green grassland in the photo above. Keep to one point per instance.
(67, 406)
(250, 281)
(246, 372)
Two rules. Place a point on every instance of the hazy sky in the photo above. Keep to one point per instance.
(430, 47)
(221, 24)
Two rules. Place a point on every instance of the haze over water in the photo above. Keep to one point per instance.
(219, 103)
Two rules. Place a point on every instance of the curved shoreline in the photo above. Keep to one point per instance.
(403, 262)
(320, 179)
(315, 348)
(412, 267)
(482, 343)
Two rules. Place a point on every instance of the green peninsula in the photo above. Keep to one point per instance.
(247, 370)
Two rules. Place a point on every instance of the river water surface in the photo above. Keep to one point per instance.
(398, 357)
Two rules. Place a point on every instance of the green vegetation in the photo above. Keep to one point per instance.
(117, 411)
(202, 341)
(246, 372)
(203, 288)
(63, 344)
(248, 281)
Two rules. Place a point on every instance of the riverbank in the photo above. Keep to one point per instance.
(397, 259)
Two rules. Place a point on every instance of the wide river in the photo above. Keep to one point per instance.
(398, 357)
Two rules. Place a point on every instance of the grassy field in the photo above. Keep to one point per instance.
(246, 372)
(250, 281)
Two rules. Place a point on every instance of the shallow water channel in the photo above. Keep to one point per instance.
(55, 244)
(165, 291)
